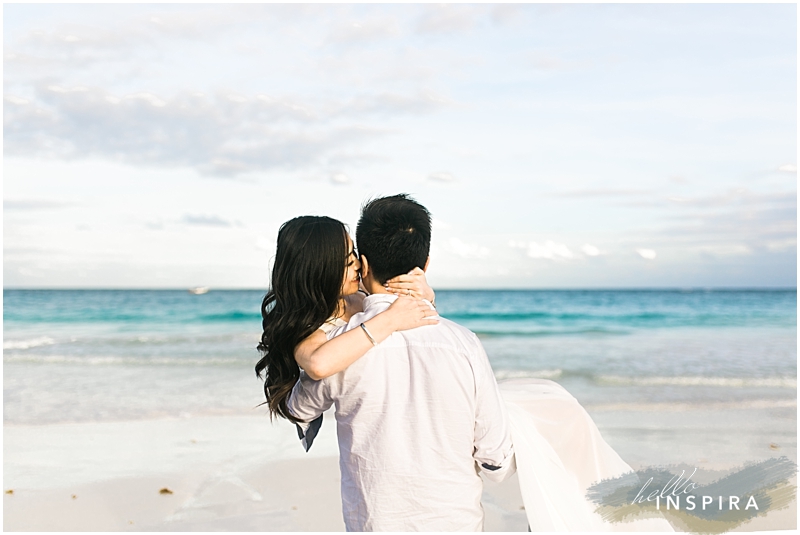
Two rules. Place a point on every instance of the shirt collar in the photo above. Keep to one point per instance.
(382, 302)
(378, 300)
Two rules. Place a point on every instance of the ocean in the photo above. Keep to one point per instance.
(115, 355)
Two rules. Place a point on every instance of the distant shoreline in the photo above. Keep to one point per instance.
(642, 289)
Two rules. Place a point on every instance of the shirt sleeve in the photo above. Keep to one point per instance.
(308, 400)
(493, 450)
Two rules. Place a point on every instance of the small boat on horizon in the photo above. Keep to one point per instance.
(199, 290)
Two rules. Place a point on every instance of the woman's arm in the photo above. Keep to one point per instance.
(321, 358)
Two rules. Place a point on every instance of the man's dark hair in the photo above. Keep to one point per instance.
(394, 233)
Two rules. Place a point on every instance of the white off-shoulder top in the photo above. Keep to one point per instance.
(331, 324)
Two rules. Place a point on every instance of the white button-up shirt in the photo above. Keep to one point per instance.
(417, 418)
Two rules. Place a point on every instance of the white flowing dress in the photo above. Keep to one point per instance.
(560, 454)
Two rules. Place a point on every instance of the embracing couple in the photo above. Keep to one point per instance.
(419, 413)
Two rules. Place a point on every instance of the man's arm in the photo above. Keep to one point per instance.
(493, 449)
(308, 400)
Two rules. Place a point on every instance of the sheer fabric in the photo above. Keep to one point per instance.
(560, 454)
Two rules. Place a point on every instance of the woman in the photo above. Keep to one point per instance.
(559, 451)
(315, 286)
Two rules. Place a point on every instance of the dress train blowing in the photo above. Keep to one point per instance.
(559, 455)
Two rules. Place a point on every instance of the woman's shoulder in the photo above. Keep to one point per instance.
(331, 324)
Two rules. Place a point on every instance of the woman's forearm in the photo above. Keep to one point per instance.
(323, 358)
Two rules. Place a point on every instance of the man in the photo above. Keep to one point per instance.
(420, 415)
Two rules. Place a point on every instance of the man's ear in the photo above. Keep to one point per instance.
(427, 262)
(364, 267)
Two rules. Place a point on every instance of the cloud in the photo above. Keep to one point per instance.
(441, 177)
(590, 250)
(33, 204)
(467, 250)
(224, 135)
(15, 100)
(507, 13)
(364, 31)
(730, 223)
(549, 250)
(340, 178)
(447, 18)
(205, 221)
(590, 193)
(647, 254)
(545, 62)
(781, 245)
(266, 244)
(725, 249)
(126, 31)
(737, 217)
(788, 168)
(392, 103)
(438, 224)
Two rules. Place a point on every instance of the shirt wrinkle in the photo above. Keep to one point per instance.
(416, 416)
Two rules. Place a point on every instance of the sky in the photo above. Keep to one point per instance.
(556, 146)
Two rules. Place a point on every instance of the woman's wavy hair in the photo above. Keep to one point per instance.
(306, 282)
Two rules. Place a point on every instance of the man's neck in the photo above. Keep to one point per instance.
(374, 288)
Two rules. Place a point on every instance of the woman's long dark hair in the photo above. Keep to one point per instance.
(306, 282)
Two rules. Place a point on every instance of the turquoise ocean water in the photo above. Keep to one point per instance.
(82, 355)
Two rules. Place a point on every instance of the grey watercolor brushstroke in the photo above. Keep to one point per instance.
(750, 480)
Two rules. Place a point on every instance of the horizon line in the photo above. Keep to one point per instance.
(502, 289)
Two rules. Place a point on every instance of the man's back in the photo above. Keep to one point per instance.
(414, 415)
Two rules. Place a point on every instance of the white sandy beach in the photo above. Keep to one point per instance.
(241, 473)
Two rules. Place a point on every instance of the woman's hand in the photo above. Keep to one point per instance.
(413, 284)
(408, 313)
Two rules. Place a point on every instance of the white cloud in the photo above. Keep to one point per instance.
(549, 250)
(266, 244)
(438, 224)
(15, 100)
(781, 245)
(147, 97)
(545, 62)
(788, 168)
(205, 220)
(224, 135)
(441, 177)
(590, 250)
(33, 204)
(340, 178)
(467, 250)
(726, 249)
(369, 30)
(445, 18)
(212, 135)
(647, 254)
(589, 193)
(394, 103)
